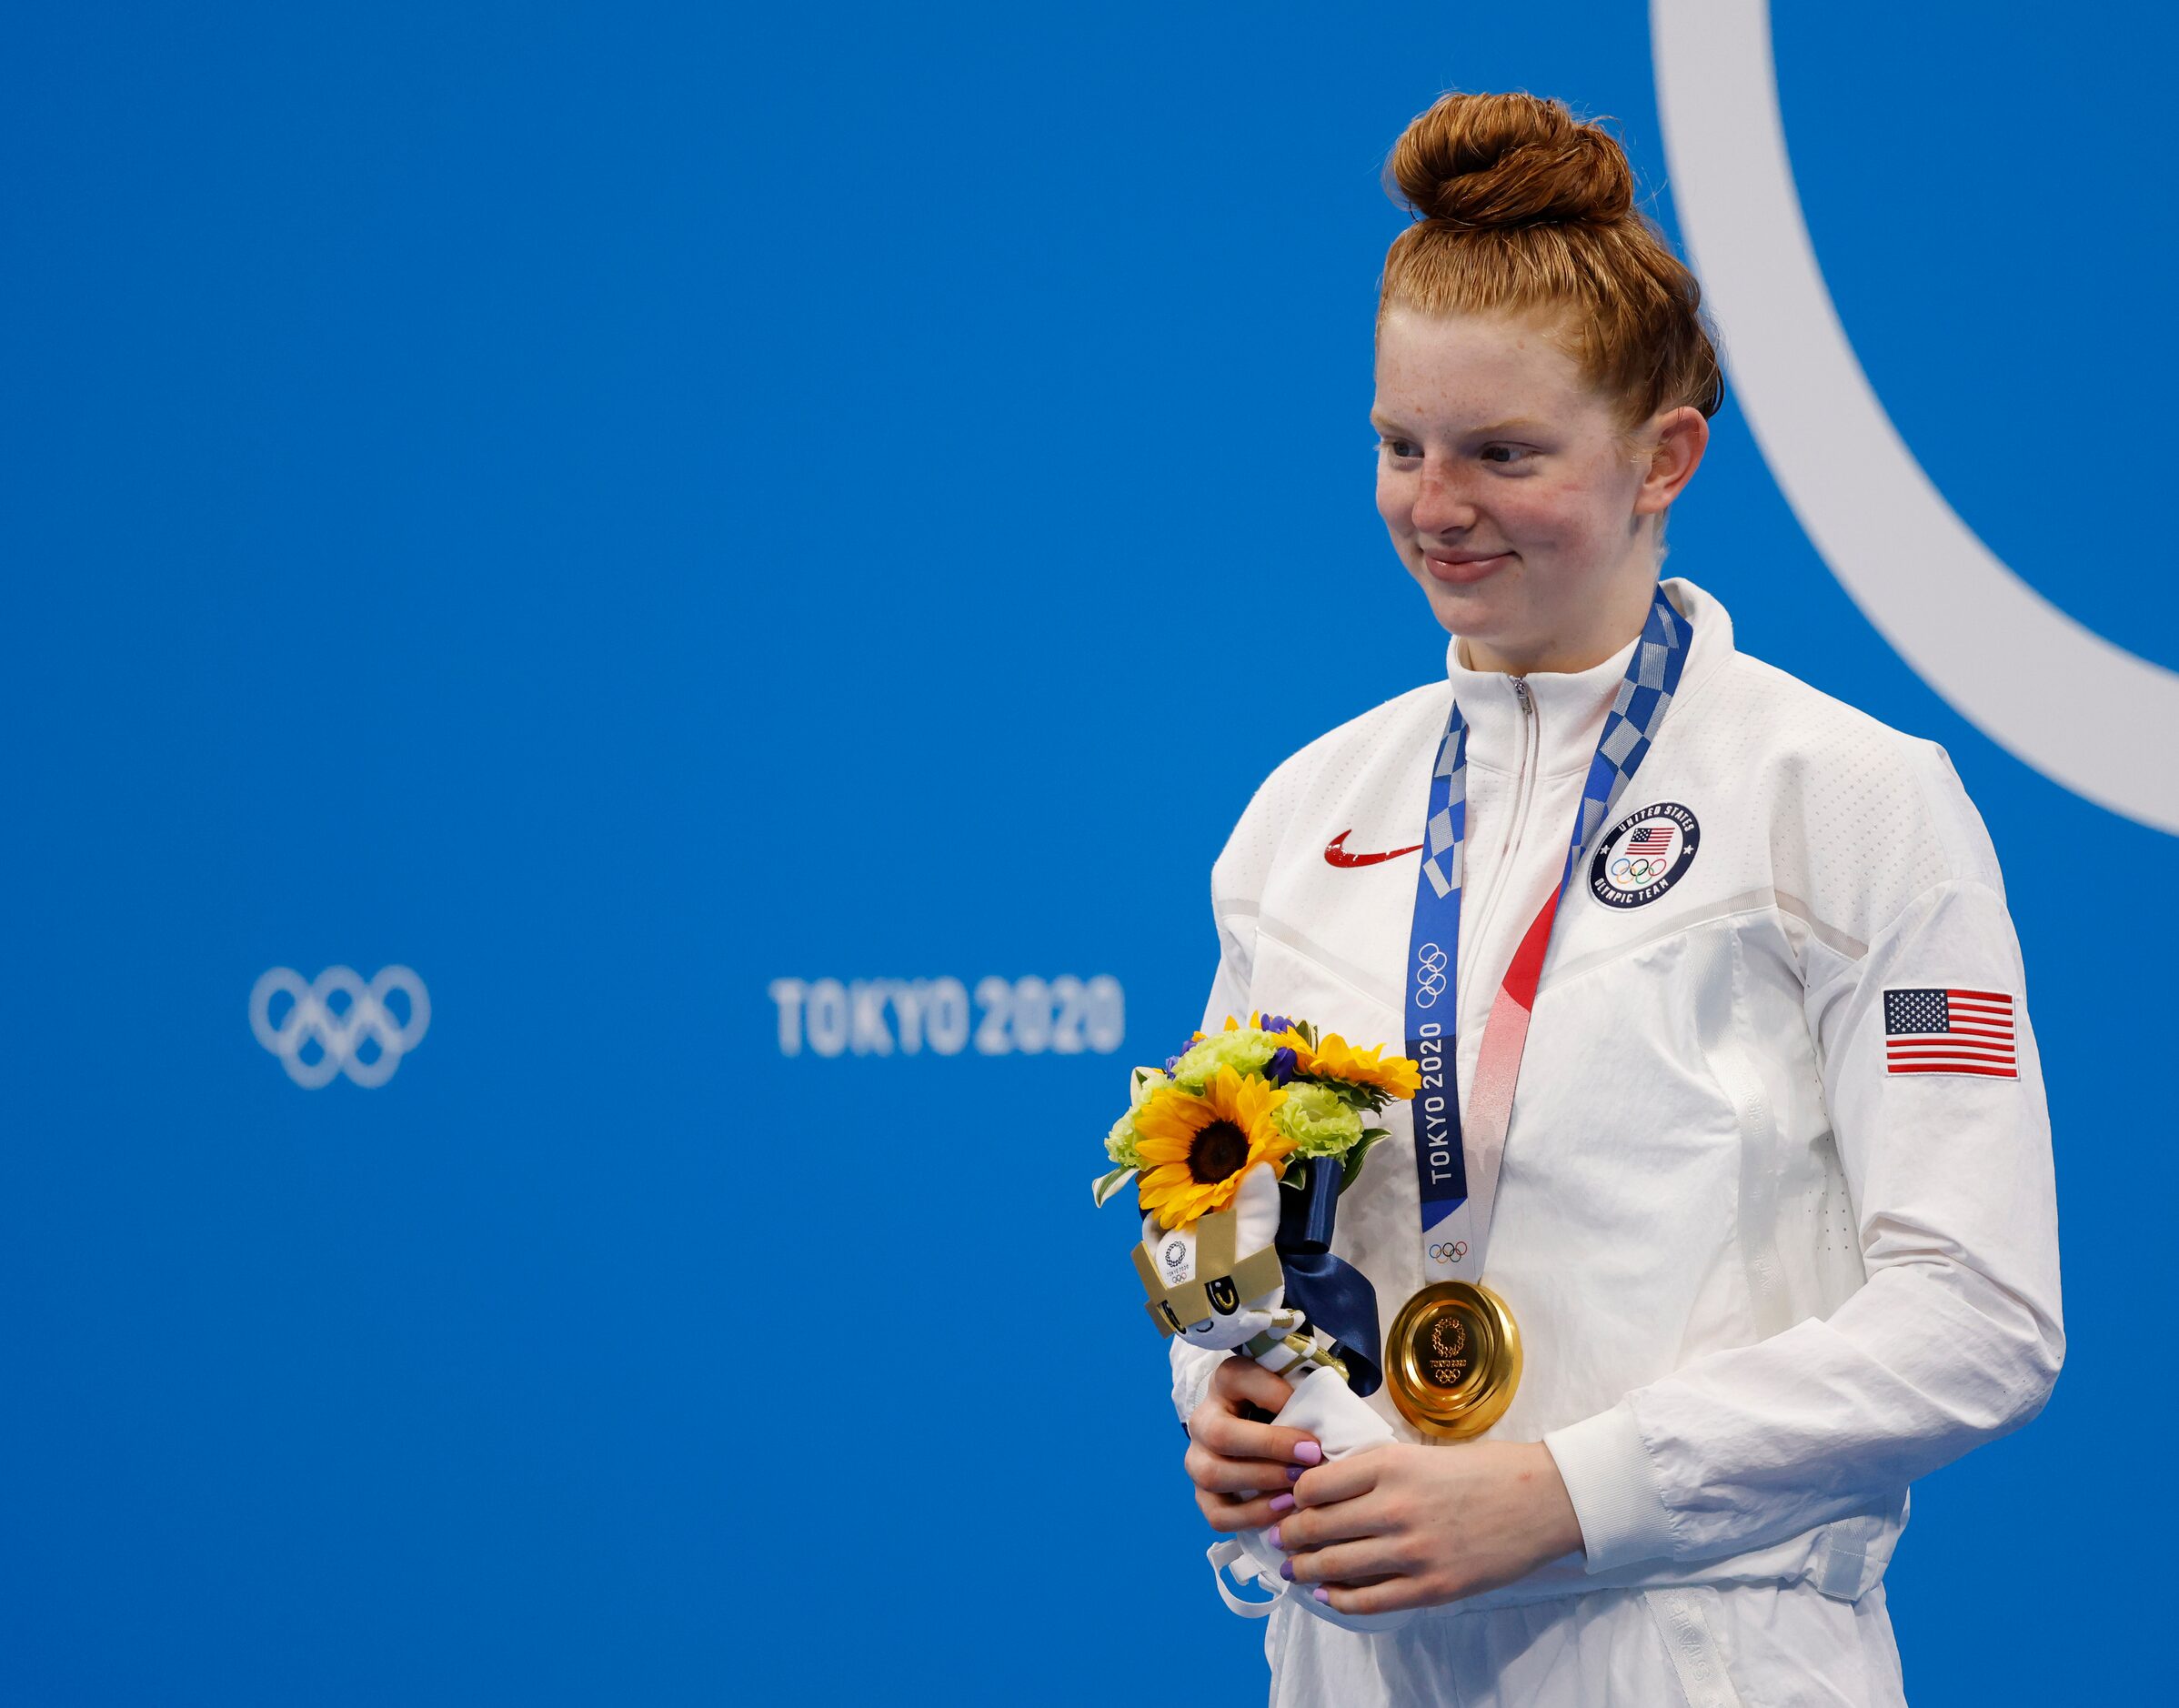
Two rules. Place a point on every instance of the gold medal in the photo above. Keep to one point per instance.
(1453, 1360)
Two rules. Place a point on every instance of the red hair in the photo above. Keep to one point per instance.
(1521, 208)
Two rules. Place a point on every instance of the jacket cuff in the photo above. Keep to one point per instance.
(1613, 1486)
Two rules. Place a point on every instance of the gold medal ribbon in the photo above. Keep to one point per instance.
(1452, 1359)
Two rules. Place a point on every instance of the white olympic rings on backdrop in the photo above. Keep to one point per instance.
(338, 1035)
(1965, 623)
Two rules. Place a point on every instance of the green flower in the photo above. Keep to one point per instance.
(1244, 1049)
(1120, 1143)
(1318, 1121)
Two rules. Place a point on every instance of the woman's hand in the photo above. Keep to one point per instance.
(1244, 1471)
(1409, 1526)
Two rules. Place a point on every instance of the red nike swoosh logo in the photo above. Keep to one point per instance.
(1335, 853)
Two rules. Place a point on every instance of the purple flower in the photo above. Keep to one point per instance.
(1277, 1023)
(1280, 1068)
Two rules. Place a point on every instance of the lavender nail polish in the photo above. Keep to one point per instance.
(1322, 1594)
(1271, 1536)
(1309, 1453)
(1282, 1504)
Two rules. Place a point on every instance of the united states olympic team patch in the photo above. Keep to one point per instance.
(1644, 856)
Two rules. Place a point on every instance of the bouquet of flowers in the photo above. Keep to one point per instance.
(1239, 1150)
(1273, 1090)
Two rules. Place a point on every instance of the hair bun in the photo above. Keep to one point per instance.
(1485, 160)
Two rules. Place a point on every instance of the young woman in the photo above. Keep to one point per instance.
(1769, 1230)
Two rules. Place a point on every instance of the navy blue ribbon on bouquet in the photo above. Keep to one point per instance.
(1334, 1295)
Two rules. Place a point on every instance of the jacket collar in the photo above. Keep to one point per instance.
(1712, 624)
(1571, 705)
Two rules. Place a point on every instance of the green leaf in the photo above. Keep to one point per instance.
(1352, 1164)
(1352, 1093)
(1105, 1185)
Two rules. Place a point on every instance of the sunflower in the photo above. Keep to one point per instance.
(1335, 1059)
(1195, 1150)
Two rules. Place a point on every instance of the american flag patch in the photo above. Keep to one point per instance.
(1949, 1031)
(1650, 839)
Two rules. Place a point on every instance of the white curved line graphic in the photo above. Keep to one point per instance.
(1972, 628)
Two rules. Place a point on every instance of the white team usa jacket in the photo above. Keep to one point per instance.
(1776, 1215)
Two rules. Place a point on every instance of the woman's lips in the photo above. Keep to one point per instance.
(1465, 574)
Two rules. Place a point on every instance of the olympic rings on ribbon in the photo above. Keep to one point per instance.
(1449, 1252)
(1430, 975)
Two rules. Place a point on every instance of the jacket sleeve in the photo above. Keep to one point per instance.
(1954, 1336)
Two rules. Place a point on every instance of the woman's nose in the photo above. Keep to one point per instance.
(1441, 504)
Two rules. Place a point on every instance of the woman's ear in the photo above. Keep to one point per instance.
(1672, 444)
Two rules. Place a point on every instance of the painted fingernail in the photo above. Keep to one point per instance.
(1282, 1504)
(1293, 1473)
(1271, 1536)
(1322, 1594)
(1309, 1453)
(1286, 1570)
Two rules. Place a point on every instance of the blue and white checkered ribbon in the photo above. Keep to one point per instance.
(1638, 711)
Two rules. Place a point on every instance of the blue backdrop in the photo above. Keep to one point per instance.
(632, 513)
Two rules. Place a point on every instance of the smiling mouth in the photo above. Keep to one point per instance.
(1464, 571)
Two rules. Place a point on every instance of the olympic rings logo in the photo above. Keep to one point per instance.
(1176, 1254)
(339, 1033)
(1449, 1252)
(1430, 975)
(1637, 868)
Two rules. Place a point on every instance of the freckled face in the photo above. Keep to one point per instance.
(1508, 492)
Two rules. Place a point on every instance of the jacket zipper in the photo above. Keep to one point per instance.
(1524, 789)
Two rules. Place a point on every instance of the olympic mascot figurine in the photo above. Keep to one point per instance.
(1238, 1150)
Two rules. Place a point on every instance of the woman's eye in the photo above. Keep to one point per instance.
(1504, 453)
